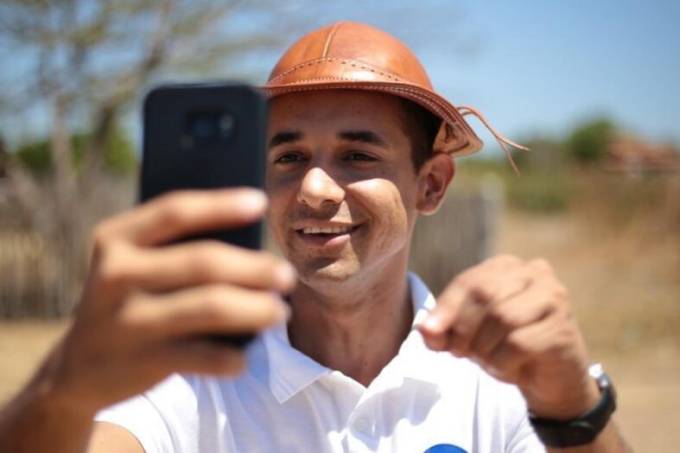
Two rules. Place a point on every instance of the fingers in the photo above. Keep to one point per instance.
(183, 213)
(508, 315)
(520, 347)
(210, 309)
(199, 263)
(465, 304)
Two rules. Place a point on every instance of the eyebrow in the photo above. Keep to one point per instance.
(362, 136)
(285, 137)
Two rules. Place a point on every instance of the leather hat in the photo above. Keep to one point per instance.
(350, 55)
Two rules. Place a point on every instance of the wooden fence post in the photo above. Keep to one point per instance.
(460, 235)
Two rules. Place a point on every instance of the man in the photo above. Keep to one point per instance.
(359, 146)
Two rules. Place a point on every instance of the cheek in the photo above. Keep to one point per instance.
(392, 210)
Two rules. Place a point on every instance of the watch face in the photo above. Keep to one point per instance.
(595, 370)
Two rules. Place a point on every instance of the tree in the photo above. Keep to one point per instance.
(85, 62)
(118, 154)
(588, 142)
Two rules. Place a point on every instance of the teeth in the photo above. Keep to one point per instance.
(329, 230)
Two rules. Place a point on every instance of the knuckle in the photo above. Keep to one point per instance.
(269, 303)
(505, 260)
(564, 337)
(101, 235)
(503, 317)
(172, 210)
(112, 270)
(465, 280)
(267, 261)
(483, 294)
(130, 317)
(206, 260)
(517, 345)
(560, 292)
(214, 299)
(540, 264)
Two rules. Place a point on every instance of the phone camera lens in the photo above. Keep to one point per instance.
(203, 127)
(208, 127)
(226, 124)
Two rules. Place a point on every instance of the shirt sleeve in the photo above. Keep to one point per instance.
(163, 419)
(141, 418)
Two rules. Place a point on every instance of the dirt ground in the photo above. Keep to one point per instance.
(626, 299)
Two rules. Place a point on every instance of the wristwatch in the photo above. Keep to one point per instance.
(585, 428)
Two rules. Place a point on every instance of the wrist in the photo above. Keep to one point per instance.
(584, 428)
(49, 390)
(571, 403)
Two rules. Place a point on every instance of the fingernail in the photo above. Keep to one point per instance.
(254, 199)
(285, 276)
(432, 323)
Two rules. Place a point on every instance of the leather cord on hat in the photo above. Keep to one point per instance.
(502, 140)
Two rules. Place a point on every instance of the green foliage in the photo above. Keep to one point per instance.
(35, 156)
(119, 155)
(588, 142)
(539, 192)
(546, 184)
(542, 186)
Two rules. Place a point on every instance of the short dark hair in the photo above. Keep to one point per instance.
(421, 127)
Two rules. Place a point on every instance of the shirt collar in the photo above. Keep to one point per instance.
(291, 371)
(415, 360)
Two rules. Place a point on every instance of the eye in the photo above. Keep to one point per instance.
(359, 156)
(289, 158)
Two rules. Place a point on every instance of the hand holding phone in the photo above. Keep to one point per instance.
(206, 136)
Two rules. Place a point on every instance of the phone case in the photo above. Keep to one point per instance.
(206, 136)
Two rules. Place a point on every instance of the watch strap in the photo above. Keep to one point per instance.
(583, 429)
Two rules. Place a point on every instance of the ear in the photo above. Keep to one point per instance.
(434, 178)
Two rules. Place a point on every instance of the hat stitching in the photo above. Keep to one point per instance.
(353, 63)
(434, 103)
(423, 98)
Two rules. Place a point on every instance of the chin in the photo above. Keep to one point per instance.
(327, 271)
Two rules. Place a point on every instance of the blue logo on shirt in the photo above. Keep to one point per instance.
(444, 448)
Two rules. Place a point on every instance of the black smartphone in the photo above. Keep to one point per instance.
(205, 136)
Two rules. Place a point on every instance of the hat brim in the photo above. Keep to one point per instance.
(455, 135)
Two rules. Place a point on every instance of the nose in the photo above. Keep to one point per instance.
(318, 188)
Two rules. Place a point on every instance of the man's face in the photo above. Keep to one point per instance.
(341, 182)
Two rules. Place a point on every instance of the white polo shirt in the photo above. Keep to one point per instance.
(422, 401)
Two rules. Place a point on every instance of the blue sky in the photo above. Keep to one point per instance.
(532, 67)
(541, 67)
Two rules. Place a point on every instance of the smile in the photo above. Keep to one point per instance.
(328, 230)
(326, 236)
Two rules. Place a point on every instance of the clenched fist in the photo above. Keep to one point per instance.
(513, 318)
